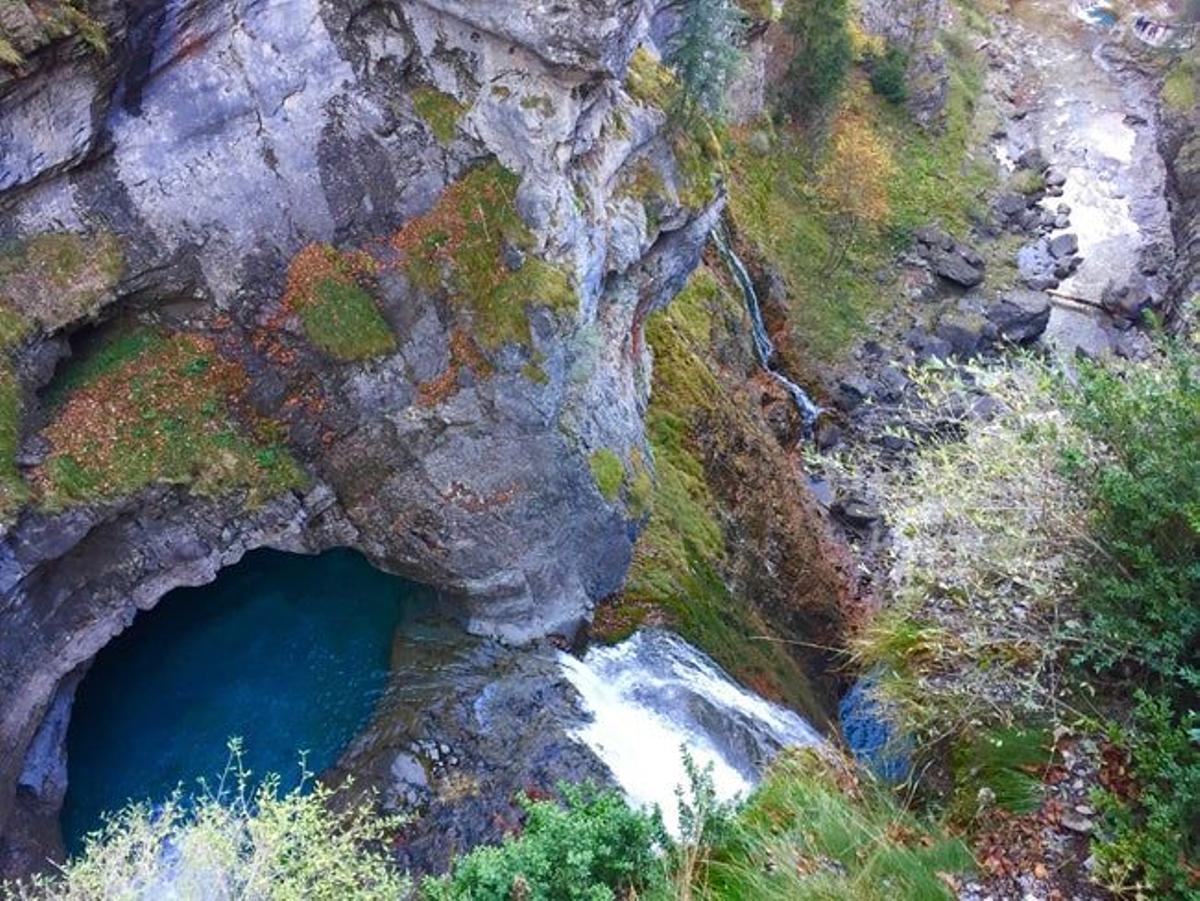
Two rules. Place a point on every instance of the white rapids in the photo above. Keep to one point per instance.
(653, 695)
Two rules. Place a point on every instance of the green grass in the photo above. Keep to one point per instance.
(608, 471)
(439, 111)
(145, 410)
(344, 321)
(1008, 763)
(474, 246)
(812, 831)
(327, 289)
(1179, 90)
(13, 491)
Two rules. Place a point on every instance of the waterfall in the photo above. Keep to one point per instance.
(764, 348)
(652, 695)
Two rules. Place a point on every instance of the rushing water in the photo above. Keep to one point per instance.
(288, 652)
(654, 694)
(763, 346)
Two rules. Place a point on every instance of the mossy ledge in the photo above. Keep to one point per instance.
(687, 570)
(158, 408)
(474, 245)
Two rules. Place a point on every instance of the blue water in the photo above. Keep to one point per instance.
(287, 652)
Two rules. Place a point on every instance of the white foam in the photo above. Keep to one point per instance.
(654, 694)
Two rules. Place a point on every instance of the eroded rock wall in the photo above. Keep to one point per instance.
(226, 145)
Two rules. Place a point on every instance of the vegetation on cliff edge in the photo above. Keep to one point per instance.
(155, 408)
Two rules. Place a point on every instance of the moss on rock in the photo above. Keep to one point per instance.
(687, 563)
(474, 245)
(608, 471)
(159, 409)
(327, 289)
(439, 111)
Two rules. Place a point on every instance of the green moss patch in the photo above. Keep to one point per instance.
(13, 492)
(474, 245)
(57, 278)
(327, 289)
(159, 409)
(1179, 90)
(648, 81)
(608, 471)
(440, 112)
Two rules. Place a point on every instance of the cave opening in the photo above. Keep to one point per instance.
(290, 653)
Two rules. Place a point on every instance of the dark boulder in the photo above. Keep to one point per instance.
(950, 259)
(1021, 315)
(966, 332)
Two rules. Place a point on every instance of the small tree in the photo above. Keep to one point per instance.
(705, 55)
(821, 56)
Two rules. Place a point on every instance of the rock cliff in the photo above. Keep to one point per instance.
(303, 274)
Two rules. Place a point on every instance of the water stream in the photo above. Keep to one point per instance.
(652, 695)
(764, 348)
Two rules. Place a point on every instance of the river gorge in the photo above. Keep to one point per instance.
(410, 393)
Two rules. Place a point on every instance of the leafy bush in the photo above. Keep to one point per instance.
(1152, 840)
(237, 841)
(593, 847)
(821, 56)
(889, 75)
(1142, 592)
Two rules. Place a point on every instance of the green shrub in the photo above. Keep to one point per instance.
(593, 847)
(889, 75)
(1151, 841)
(1144, 590)
(237, 841)
(1142, 593)
(821, 56)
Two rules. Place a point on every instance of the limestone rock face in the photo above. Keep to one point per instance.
(224, 144)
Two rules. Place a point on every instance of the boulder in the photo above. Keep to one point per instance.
(965, 332)
(1064, 245)
(1021, 315)
(949, 258)
(927, 346)
(1032, 159)
(1036, 265)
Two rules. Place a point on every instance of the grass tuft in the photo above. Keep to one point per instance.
(474, 245)
(326, 288)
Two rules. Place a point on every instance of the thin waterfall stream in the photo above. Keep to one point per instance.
(764, 348)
